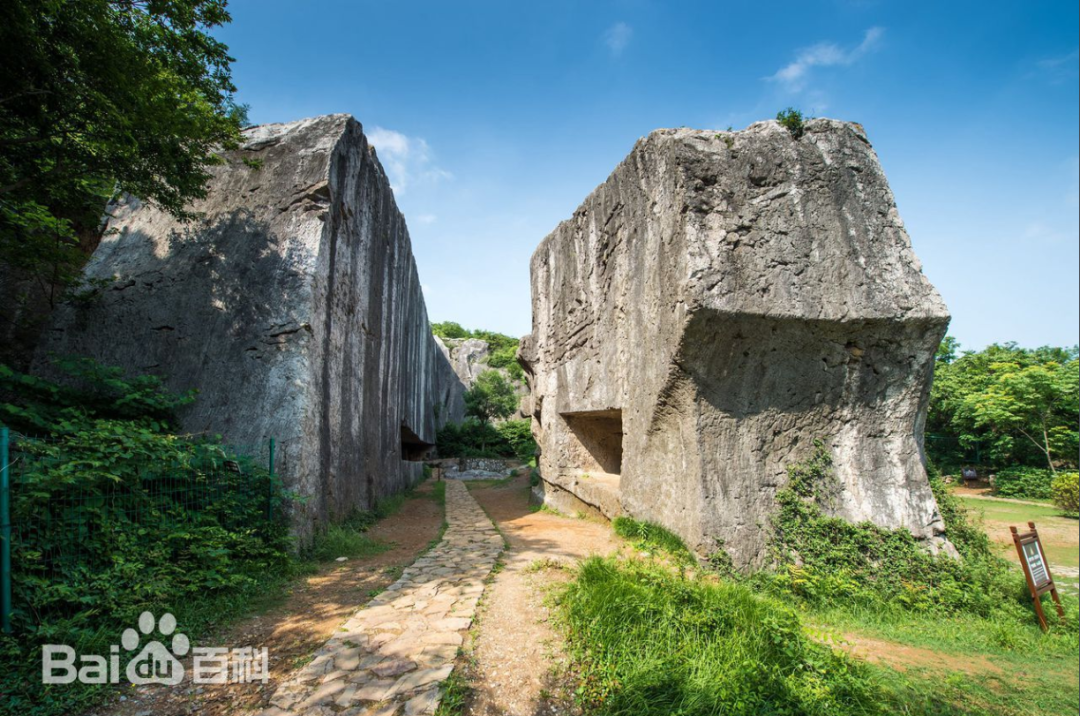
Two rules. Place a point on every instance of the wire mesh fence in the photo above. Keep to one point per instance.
(66, 512)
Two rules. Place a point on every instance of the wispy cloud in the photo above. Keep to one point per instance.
(407, 160)
(426, 219)
(1062, 68)
(795, 75)
(617, 37)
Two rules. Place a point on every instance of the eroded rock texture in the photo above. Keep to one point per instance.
(293, 305)
(718, 303)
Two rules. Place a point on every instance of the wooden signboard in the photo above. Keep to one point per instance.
(1036, 569)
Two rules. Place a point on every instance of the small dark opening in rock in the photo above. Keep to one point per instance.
(599, 437)
(412, 447)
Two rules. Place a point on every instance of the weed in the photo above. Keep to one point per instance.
(791, 119)
(456, 691)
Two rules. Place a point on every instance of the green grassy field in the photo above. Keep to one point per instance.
(658, 636)
(1059, 534)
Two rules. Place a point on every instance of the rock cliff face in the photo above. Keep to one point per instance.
(469, 356)
(292, 304)
(718, 303)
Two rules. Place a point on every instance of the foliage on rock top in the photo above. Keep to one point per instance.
(502, 348)
(791, 119)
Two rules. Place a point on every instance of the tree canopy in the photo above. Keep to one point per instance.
(100, 96)
(491, 398)
(1018, 406)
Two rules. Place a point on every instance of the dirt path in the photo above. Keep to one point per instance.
(309, 615)
(512, 666)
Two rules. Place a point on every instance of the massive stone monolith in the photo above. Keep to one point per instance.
(720, 302)
(292, 304)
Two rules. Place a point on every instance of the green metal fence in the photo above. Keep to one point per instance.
(52, 524)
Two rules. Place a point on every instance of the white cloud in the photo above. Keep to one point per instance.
(1038, 231)
(1062, 68)
(617, 37)
(824, 54)
(407, 160)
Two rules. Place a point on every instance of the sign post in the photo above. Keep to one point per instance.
(1036, 570)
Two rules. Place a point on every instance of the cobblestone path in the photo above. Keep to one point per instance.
(391, 657)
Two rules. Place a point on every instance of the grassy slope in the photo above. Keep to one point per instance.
(638, 645)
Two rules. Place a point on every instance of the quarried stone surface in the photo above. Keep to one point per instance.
(392, 655)
(292, 304)
(720, 302)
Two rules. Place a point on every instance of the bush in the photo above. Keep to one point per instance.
(474, 438)
(1024, 482)
(828, 560)
(1066, 492)
(113, 515)
(646, 642)
(518, 435)
(791, 119)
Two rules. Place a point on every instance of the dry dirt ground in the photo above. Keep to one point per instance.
(301, 624)
(512, 664)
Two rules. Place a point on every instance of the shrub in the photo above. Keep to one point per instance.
(1024, 482)
(646, 642)
(474, 438)
(1066, 492)
(518, 435)
(791, 119)
(113, 514)
(828, 560)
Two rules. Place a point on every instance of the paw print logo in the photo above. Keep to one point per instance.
(155, 664)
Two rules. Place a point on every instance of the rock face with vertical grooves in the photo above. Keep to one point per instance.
(720, 302)
(292, 304)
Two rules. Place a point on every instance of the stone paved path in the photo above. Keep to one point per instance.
(391, 657)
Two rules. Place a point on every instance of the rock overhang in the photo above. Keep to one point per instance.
(731, 293)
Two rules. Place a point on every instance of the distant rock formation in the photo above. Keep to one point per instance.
(469, 358)
(292, 304)
(718, 303)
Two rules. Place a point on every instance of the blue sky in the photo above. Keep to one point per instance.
(496, 119)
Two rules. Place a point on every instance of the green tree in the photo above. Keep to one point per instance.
(492, 397)
(99, 97)
(450, 329)
(957, 435)
(1037, 402)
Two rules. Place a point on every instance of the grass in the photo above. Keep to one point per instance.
(647, 642)
(668, 634)
(648, 536)
(648, 639)
(1060, 543)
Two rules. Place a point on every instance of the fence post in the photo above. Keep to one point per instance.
(5, 533)
(270, 492)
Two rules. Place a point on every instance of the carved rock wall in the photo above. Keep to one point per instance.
(292, 304)
(718, 303)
